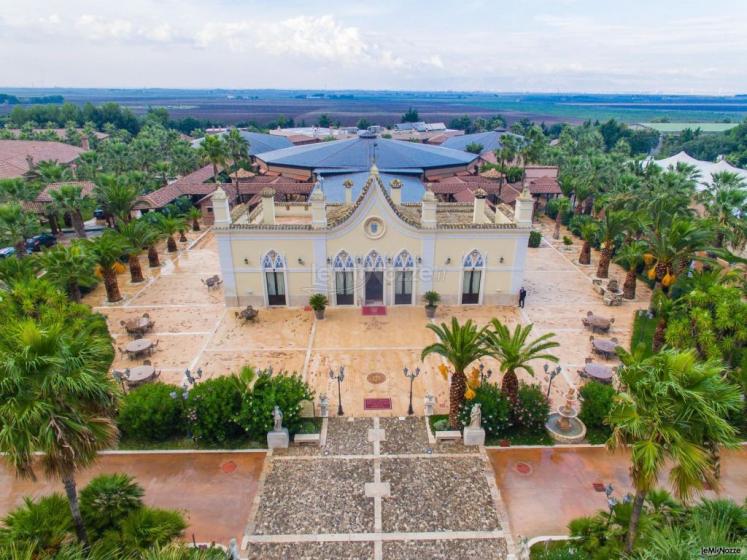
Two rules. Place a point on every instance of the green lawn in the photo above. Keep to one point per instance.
(643, 332)
(676, 127)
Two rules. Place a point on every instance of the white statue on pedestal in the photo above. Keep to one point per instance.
(475, 417)
(277, 416)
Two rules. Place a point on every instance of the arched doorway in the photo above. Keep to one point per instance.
(344, 279)
(374, 279)
(274, 273)
(404, 266)
(473, 264)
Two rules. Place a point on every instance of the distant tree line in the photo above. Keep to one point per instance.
(732, 144)
(7, 99)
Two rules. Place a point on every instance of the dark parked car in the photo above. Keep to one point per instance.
(7, 252)
(99, 214)
(38, 241)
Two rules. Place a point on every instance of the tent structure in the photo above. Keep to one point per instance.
(706, 168)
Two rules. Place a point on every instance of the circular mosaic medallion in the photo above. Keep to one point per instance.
(523, 468)
(376, 378)
(374, 227)
(228, 467)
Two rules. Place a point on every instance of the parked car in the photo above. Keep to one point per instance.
(7, 252)
(98, 213)
(38, 241)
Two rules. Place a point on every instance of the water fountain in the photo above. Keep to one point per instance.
(564, 425)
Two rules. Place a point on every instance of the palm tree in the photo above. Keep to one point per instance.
(137, 235)
(631, 257)
(161, 169)
(588, 233)
(117, 195)
(612, 225)
(69, 199)
(56, 398)
(236, 148)
(515, 353)
(106, 252)
(69, 267)
(460, 345)
(562, 205)
(13, 271)
(16, 225)
(51, 171)
(88, 165)
(725, 204)
(169, 227)
(671, 403)
(194, 215)
(156, 234)
(213, 151)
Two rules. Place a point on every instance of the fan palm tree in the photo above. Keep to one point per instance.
(588, 233)
(161, 169)
(670, 401)
(515, 352)
(69, 199)
(16, 225)
(562, 205)
(631, 257)
(69, 267)
(18, 270)
(170, 226)
(213, 151)
(137, 235)
(51, 171)
(117, 195)
(106, 252)
(611, 225)
(57, 398)
(237, 149)
(88, 165)
(725, 204)
(194, 215)
(460, 345)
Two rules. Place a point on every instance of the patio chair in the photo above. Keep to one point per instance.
(146, 362)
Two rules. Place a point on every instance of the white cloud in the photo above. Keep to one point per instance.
(97, 28)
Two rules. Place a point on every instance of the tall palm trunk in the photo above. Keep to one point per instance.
(510, 387)
(456, 397)
(585, 256)
(182, 237)
(659, 334)
(558, 219)
(20, 248)
(195, 225)
(215, 172)
(136, 271)
(171, 244)
(635, 517)
(603, 269)
(78, 225)
(630, 284)
(73, 292)
(72, 498)
(110, 283)
(153, 261)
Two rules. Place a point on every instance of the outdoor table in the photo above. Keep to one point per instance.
(605, 347)
(140, 374)
(598, 323)
(599, 372)
(212, 281)
(138, 346)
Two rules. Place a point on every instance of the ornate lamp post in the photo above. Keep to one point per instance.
(411, 374)
(189, 380)
(551, 375)
(340, 376)
(484, 374)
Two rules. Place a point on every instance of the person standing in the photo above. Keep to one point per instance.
(522, 296)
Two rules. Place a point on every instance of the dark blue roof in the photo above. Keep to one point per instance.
(359, 153)
(334, 190)
(258, 142)
(490, 140)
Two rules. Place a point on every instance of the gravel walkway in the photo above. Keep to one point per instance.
(404, 436)
(487, 549)
(437, 494)
(316, 496)
(311, 551)
(348, 437)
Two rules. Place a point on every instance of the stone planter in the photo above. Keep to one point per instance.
(319, 313)
(430, 311)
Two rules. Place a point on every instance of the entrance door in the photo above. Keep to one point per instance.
(344, 287)
(471, 286)
(374, 286)
(403, 287)
(275, 287)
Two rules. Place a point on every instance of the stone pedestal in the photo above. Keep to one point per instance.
(278, 439)
(474, 436)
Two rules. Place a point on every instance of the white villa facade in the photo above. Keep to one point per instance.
(375, 250)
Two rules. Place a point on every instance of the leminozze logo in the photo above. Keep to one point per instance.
(721, 550)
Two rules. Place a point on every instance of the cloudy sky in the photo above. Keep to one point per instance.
(685, 46)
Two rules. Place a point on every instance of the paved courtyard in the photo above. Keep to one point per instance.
(377, 489)
(213, 490)
(194, 329)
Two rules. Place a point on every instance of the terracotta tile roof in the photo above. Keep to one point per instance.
(300, 139)
(44, 197)
(465, 195)
(14, 153)
(544, 185)
(509, 194)
(534, 171)
(190, 185)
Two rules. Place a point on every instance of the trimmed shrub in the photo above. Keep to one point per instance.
(150, 527)
(213, 409)
(152, 412)
(577, 221)
(283, 390)
(596, 401)
(107, 501)
(531, 412)
(495, 407)
(535, 238)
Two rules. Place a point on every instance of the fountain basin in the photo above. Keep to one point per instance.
(575, 433)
